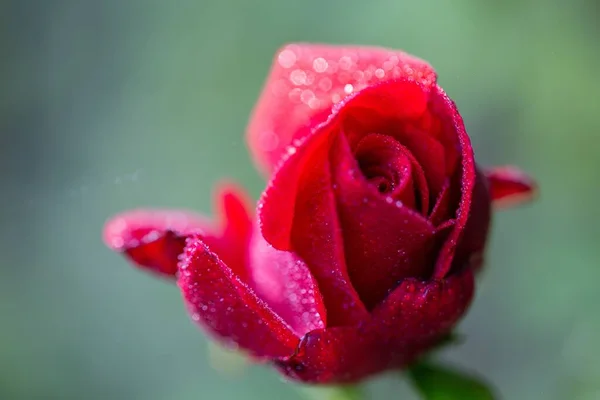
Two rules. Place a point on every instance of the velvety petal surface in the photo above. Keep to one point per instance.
(284, 281)
(306, 80)
(154, 238)
(217, 298)
(510, 186)
(470, 250)
(297, 212)
(412, 319)
(385, 240)
(451, 121)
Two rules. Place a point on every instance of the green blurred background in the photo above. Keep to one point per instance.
(109, 105)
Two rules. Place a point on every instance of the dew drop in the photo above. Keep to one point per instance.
(307, 96)
(319, 64)
(287, 58)
(298, 77)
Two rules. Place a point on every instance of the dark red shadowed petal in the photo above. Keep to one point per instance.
(284, 281)
(472, 244)
(385, 241)
(304, 83)
(445, 108)
(297, 212)
(410, 321)
(217, 298)
(153, 239)
(441, 208)
(389, 165)
(510, 186)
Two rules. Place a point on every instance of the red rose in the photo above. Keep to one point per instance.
(363, 251)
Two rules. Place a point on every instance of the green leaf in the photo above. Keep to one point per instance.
(436, 382)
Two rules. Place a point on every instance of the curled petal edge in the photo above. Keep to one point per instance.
(227, 307)
(509, 186)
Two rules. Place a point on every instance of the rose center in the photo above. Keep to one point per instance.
(381, 178)
(387, 166)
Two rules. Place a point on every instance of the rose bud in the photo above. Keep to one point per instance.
(363, 250)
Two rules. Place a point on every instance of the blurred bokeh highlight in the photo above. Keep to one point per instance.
(109, 105)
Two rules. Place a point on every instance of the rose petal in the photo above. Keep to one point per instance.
(441, 209)
(297, 212)
(424, 309)
(284, 281)
(410, 321)
(474, 238)
(445, 108)
(227, 307)
(385, 160)
(397, 109)
(385, 241)
(299, 159)
(510, 186)
(232, 243)
(305, 81)
(153, 239)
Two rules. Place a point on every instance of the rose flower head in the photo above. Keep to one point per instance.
(362, 250)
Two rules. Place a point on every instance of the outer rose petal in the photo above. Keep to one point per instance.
(307, 80)
(230, 310)
(410, 321)
(284, 281)
(297, 212)
(472, 244)
(510, 186)
(446, 108)
(153, 239)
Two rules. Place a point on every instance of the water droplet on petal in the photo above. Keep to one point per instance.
(319, 64)
(287, 58)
